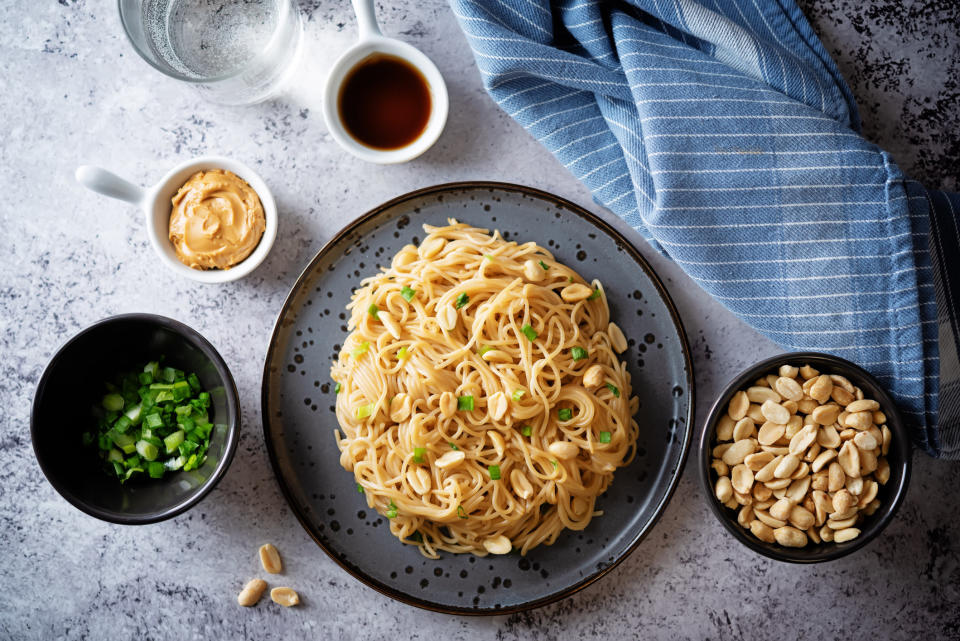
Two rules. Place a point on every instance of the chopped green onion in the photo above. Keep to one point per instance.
(488, 257)
(555, 464)
(462, 300)
(453, 446)
(465, 403)
(517, 394)
(187, 424)
(544, 265)
(112, 402)
(402, 353)
(124, 441)
(578, 353)
(152, 440)
(365, 410)
(181, 391)
(191, 463)
(529, 332)
(484, 349)
(134, 414)
(360, 350)
(187, 447)
(594, 295)
(173, 441)
(462, 513)
(337, 388)
(604, 437)
(373, 310)
(494, 471)
(418, 454)
(569, 279)
(147, 450)
(359, 489)
(408, 293)
(614, 389)
(526, 430)
(392, 512)
(153, 421)
(565, 414)
(123, 424)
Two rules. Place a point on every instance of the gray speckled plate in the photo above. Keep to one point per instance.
(298, 399)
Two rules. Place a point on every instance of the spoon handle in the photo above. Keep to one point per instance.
(108, 184)
(366, 18)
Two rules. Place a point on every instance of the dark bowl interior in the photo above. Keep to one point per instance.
(891, 495)
(74, 380)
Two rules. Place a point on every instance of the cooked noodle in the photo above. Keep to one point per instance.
(400, 432)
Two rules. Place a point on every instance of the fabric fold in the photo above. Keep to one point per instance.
(723, 132)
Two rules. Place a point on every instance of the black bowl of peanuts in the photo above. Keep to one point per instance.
(804, 457)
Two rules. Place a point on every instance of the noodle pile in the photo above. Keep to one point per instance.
(465, 414)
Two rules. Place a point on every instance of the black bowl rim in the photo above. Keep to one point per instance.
(634, 253)
(233, 430)
(788, 555)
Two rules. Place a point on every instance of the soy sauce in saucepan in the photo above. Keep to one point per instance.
(385, 102)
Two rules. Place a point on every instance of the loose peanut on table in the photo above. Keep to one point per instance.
(801, 456)
(285, 596)
(251, 593)
(270, 559)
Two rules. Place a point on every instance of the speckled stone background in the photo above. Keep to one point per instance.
(72, 91)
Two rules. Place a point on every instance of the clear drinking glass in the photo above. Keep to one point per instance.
(235, 52)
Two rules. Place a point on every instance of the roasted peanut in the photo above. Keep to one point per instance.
(497, 405)
(790, 537)
(563, 449)
(284, 596)
(270, 559)
(593, 377)
(575, 293)
(251, 592)
(498, 545)
(617, 340)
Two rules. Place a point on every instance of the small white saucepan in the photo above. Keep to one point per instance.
(156, 206)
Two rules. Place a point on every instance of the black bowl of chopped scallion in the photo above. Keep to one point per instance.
(135, 419)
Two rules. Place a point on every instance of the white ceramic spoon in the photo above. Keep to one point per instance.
(371, 42)
(155, 204)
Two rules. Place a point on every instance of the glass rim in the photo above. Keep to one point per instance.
(171, 73)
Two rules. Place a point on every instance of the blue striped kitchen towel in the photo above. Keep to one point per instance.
(723, 132)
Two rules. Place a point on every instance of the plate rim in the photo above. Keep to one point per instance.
(594, 220)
